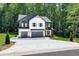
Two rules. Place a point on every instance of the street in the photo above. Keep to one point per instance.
(60, 53)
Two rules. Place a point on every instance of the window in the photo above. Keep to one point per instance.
(40, 24)
(34, 24)
(48, 25)
(22, 24)
(25, 24)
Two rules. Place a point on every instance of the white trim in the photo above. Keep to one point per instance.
(21, 30)
(22, 24)
(44, 33)
(25, 24)
(50, 32)
(30, 32)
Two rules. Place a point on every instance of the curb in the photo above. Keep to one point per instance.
(38, 51)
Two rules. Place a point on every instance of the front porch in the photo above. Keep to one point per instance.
(48, 33)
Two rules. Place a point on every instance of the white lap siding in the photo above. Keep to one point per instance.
(37, 20)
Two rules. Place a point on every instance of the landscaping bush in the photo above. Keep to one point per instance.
(60, 33)
(71, 37)
(67, 34)
(77, 34)
(7, 39)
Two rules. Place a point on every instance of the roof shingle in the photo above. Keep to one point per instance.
(29, 17)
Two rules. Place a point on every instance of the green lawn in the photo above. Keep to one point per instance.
(64, 39)
(3, 35)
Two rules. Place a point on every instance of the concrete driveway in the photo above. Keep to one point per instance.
(26, 46)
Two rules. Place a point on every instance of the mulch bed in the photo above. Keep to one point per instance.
(5, 46)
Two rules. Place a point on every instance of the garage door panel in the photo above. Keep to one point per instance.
(23, 34)
(37, 34)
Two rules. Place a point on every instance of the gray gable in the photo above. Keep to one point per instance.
(45, 18)
(21, 16)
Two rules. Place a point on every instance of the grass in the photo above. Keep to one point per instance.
(76, 40)
(65, 39)
(2, 40)
(3, 35)
(60, 38)
(3, 47)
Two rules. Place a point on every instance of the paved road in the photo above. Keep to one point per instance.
(61, 53)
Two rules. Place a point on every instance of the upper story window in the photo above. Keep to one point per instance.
(22, 24)
(34, 24)
(48, 25)
(25, 24)
(40, 24)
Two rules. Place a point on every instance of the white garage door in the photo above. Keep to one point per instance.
(37, 33)
(24, 34)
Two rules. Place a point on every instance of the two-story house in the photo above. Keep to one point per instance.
(33, 26)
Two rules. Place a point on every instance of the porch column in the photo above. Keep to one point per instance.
(19, 33)
(44, 33)
(29, 33)
(50, 32)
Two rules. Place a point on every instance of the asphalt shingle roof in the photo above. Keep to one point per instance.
(29, 17)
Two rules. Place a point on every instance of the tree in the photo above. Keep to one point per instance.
(62, 15)
(7, 39)
(71, 33)
(73, 16)
(71, 36)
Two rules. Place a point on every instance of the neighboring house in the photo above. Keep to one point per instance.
(33, 26)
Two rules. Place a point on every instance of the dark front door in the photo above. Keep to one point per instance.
(24, 34)
(37, 34)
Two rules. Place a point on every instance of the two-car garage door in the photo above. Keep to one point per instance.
(34, 33)
(37, 34)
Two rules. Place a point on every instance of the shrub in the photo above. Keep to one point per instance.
(71, 37)
(60, 33)
(7, 39)
(77, 34)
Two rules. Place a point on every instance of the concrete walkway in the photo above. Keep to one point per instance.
(28, 46)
